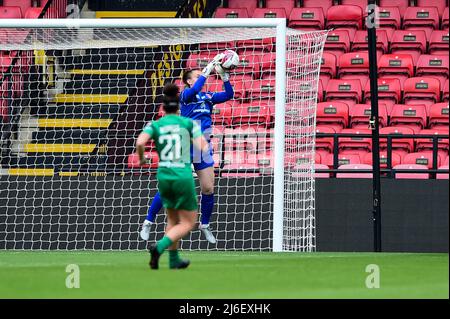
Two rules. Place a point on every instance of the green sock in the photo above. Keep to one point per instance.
(163, 244)
(174, 258)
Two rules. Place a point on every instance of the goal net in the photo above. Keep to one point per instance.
(74, 98)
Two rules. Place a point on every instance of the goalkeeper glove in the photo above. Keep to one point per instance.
(207, 70)
(223, 75)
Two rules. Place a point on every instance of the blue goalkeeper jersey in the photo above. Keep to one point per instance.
(198, 105)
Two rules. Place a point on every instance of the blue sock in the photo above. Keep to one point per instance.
(154, 208)
(207, 203)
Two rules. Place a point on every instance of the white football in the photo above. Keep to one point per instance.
(230, 60)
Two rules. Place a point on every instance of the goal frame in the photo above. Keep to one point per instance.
(280, 78)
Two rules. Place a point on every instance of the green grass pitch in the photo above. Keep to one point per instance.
(30, 274)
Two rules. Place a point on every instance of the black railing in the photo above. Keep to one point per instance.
(390, 171)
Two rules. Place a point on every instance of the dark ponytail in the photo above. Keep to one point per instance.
(171, 99)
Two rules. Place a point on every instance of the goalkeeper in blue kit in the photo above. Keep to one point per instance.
(198, 105)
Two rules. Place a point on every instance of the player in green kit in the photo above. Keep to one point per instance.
(173, 136)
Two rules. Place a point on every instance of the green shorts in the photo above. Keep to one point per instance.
(178, 193)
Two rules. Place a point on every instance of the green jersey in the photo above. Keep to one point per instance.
(173, 136)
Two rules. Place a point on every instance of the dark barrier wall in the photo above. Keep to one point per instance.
(414, 215)
(106, 213)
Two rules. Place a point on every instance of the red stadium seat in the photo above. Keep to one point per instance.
(355, 167)
(438, 4)
(426, 144)
(328, 67)
(302, 171)
(446, 161)
(264, 139)
(304, 88)
(288, 5)
(33, 13)
(434, 66)
(23, 4)
(405, 175)
(389, 92)
(250, 5)
(348, 91)
(439, 42)
(360, 42)
(243, 170)
(360, 3)
(412, 116)
(360, 115)
(420, 158)
(265, 162)
(133, 160)
(400, 4)
(355, 145)
(445, 97)
(324, 4)
(231, 13)
(240, 138)
(239, 86)
(438, 114)
(200, 60)
(269, 13)
(235, 157)
(345, 16)
(5, 62)
(444, 23)
(338, 42)
(413, 42)
(268, 64)
(389, 18)
(320, 91)
(295, 158)
(10, 13)
(421, 90)
(332, 114)
(343, 159)
(262, 89)
(400, 144)
(251, 114)
(354, 66)
(249, 64)
(443, 175)
(423, 18)
(395, 160)
(307, 19)
(324, 145)
(397, 66)
(222, 114)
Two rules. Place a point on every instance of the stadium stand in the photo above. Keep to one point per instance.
(413, 70)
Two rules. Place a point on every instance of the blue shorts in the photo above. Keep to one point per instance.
(202, 161)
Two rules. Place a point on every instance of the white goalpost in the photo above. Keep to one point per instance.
(74, 94)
